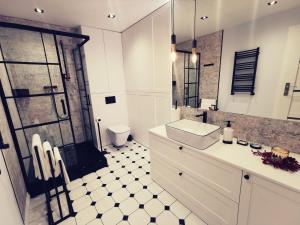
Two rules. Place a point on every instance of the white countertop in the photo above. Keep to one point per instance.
(242, 157)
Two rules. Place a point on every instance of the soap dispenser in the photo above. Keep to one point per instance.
(228, 133)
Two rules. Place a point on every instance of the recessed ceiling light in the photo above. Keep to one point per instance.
(272, 3)
(204, 17)
(111, 16)
(38, 10)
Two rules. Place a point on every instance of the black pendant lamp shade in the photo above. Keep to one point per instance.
(194, 42)
(194, 46)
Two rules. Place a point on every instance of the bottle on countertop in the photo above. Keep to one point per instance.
(228, 133)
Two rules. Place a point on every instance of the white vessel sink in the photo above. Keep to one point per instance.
(196, 134)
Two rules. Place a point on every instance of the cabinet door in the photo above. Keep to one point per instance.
(265, 203)
(211, 206)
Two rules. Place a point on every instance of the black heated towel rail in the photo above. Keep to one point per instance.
(244, 71)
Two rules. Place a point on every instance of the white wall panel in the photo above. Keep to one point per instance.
(147, 66)
(162, 109)
(161, 47)
(96, 60)
(144, 55)
(114, 60)
(104, 62)
(138, 56)
(133, 113)
(110, 114)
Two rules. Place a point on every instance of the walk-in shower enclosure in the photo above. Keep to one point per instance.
(43, 89)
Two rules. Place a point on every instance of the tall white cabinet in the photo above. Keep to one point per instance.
(104, 67)
(147, 65)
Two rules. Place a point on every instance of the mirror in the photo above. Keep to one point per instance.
(249, 54)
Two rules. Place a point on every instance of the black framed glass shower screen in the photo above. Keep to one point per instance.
(191, 80)
(83, 87)
(34, 91)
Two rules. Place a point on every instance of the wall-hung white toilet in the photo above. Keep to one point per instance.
(118, 134)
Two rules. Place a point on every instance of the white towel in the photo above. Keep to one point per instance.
(58, 158)
(47, 148)
(36, 142)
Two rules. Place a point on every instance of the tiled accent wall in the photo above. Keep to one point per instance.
(210, 48)
(270, 132)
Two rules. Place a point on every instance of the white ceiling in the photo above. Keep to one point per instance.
(70, 13)
(92, 13)
(222, 14)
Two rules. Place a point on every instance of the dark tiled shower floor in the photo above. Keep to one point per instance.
(84, 160)
(80, 160)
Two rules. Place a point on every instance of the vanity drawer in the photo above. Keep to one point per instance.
(219, 176)
(212, 207)
(165, 147)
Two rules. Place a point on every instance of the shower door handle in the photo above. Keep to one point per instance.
(88, 102)
(63, 106)
(2, 145)
(286, 89)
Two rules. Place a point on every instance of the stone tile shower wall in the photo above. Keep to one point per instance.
(210, 48)
(270, 132)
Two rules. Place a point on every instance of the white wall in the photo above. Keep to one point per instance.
(147, 66)
(104, 64)
(270, 34)
(9, 210)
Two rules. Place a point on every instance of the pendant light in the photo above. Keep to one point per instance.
(194, 42)
(173, 36)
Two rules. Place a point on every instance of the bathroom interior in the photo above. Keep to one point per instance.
(150, 112)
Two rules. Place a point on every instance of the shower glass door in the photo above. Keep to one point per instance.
(33, 91)
(83, 87)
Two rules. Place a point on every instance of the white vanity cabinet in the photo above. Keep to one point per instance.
(209, 188)
(266, 203)
(214, 185)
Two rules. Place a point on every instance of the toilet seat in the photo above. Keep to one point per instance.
(119, 129)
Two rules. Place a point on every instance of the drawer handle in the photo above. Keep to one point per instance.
(180, 147)
(247, 177)
(180, 173)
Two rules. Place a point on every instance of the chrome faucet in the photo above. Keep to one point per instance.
(204, 116)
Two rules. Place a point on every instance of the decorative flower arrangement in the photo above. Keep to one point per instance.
(269, 158)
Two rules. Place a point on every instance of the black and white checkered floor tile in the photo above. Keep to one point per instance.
(124, 193)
